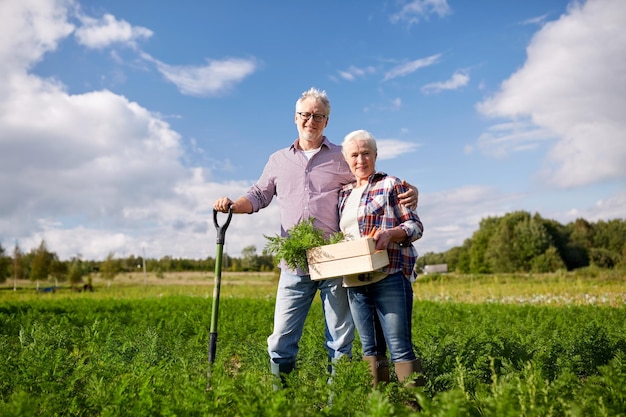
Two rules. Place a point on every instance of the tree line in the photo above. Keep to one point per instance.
(42, 265)
(515, 242)
(521, 242)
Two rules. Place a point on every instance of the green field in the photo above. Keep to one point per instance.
(491, 345)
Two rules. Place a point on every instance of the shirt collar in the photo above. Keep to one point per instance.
(295, 146)
(374, 177)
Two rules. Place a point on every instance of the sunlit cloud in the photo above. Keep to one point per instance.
(352, 73)
(101, 33)
(214, 78)
(501, 140)
(459, 79)
(573, 85)
(392, 148)
(410, 67)
(416, 10)
(539, 20)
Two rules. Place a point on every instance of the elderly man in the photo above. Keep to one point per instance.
(305, 178)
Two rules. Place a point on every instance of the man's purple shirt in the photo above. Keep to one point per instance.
(302, 188)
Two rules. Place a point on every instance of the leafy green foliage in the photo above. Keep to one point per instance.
(5, 261)
(292, 247)
(41, 262)
(521, 242)
(604, 258)
(86, 356)
(110, 267)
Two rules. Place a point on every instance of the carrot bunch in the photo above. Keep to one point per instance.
(373, 232)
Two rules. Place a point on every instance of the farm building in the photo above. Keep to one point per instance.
(436, 269)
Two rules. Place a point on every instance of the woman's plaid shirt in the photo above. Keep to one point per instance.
(379, 208)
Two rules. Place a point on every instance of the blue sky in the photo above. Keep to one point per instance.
(122, 121)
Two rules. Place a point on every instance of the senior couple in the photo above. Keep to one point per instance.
(341, 189)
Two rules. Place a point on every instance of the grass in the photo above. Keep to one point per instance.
(584, 287)
(580, 288)
(505, 345)
(135, 285)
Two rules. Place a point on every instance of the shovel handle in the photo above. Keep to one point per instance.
(221, 230)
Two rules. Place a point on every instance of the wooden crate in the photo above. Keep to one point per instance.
(345, 258)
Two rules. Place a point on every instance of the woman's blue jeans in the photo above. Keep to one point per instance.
(392, 301)
(293, 302)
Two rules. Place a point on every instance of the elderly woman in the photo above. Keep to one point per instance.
(382, 301)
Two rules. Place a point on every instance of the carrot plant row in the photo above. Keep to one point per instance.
(89, 356)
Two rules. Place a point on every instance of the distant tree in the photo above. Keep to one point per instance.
(18, 265)
(268, 264)
(610, 235)
(76, 271)
(5, 262)
(480, 242)
(549, 261)
(166, 264)
(430, 258)
(453, 258)
(40, 263)
(58, 269)
(227, 261)
(463, 264)
(531, 240)
(267, 261)
(110, 268)
(250, 261)
(516, 240)
(235, 264)
(501, 253)
(604, 258)
(209, 263)
(573, 254)
(581, 233)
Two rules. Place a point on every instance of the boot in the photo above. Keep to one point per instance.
(379, 367)
(280, 371)
(405, 371)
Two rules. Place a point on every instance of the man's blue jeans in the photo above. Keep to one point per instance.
(293, 302)
(392, 300)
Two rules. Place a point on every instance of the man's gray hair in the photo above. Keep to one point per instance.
(315, 94)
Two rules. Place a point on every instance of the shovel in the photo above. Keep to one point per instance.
(221, 233)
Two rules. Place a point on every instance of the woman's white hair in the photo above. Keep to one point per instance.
(361, 134)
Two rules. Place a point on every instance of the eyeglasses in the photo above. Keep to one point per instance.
(317, 117)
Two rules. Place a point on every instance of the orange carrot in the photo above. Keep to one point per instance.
(373, 232)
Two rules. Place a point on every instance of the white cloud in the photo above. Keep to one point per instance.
(410, 67)
(459, 79)
(501, 140)
(415, 10)
(353, 73)
(92, 173)
(215, 78)
(396, 103)
(100, 33)
(30, 28)
(573, 84)
(392, 148)
(73, 162)
(613, 207)
(535, 20)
